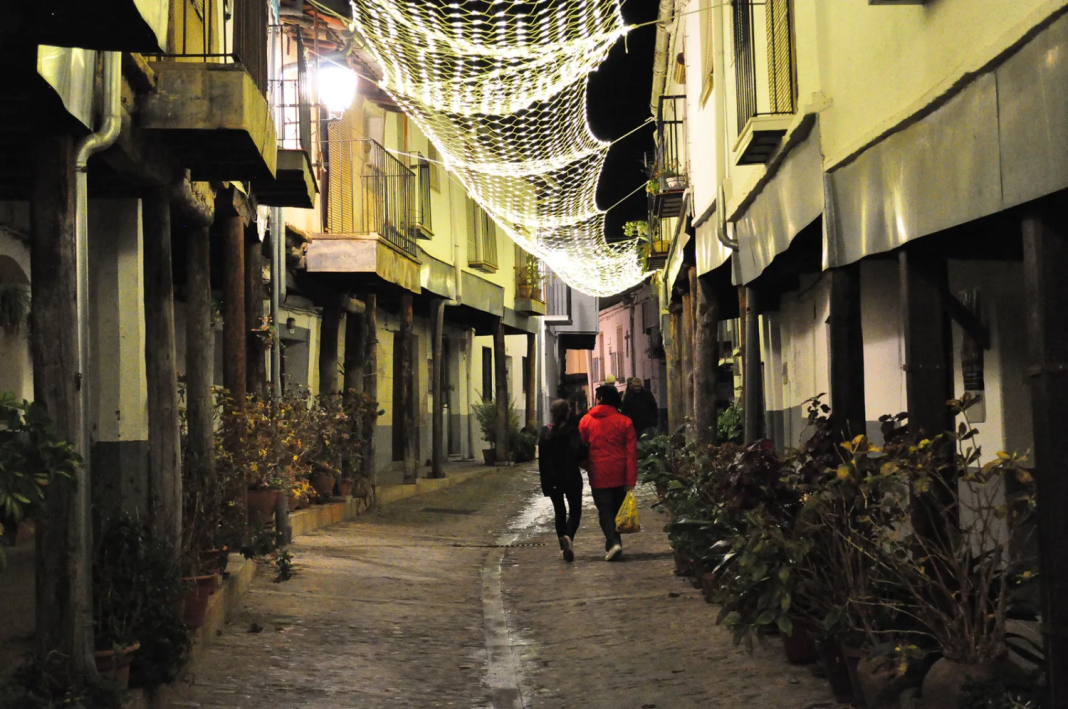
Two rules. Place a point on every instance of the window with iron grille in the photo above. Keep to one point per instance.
(763, 59)
(481, 239)
(434, 158)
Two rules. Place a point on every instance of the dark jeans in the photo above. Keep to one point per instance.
(567, 524)
(608, 501)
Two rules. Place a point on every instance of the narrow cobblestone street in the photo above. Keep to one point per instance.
(402, 608)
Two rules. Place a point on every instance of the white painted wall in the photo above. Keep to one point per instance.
(880, 313)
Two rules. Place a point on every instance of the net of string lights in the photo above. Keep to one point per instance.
(500, 87)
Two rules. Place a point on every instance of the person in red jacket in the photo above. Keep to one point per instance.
(612, 462)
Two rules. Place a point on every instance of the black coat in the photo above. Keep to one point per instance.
(641, 409)
(560, 450)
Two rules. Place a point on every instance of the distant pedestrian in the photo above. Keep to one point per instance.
(560, 449)
(612, 462)
(578, 405)
(639, 405)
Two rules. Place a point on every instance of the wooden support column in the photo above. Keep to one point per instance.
(235, 338)
(754, 391)
(199, 355)
(256, 376)
(1045, 242)
(370, 380)
(329, 327)
(501, 395)
(674, 368)
(531, 383)
(63, 635)
(848, 416)
(164, 454)
(437, 319)
(355, 351)
(927, 343)
(407, 391)
(686, 362)
(706, 364)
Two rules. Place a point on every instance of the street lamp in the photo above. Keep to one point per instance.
(337, 87)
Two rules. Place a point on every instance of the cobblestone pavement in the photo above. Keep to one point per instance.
(397, 609)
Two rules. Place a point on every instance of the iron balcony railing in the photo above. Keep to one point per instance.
(368, 191)
(671, 166)
(291, 98)
(223, 32)
(763, 59)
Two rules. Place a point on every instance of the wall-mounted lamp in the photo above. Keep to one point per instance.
(337, 87)
(291, 325)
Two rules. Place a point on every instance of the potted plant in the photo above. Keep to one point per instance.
(34, 461)
(530, 278)
(136, 592)
(486, 414)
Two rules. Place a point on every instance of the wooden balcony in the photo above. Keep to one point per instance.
(370, 254)
(294, 184)
(215, 118)
(529, 306)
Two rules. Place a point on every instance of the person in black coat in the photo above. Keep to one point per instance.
(560, 450)
(639, 405)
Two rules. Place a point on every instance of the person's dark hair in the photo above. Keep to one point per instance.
(578, 403)
(609, 396)
(560, 411)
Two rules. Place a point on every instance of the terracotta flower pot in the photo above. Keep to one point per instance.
(346, 487)
(116, 665)
(709, 585)
(305, 502)
(837, 671)
(323, 483)
(524, 291)
(216, 560)
(799, 646)
(683, 565)
(294, 502)
(261, 504)
(881, 688)
(943, 683)
(199, 591)
(535, 293)
(490, 456)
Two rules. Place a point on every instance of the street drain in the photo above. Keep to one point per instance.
(449, 511)
(499, 546)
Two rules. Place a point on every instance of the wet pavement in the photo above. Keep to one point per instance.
(459, 598)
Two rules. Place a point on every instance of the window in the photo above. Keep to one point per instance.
(596, 373)
(434, 161)
(707, 67)
(424, 222)
(487, 373)
(763, 59)
(481, 239)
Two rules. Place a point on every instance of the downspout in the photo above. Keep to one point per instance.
(720, 106)
(108, 133)
(660, 57)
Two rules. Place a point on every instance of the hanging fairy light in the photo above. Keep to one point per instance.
(500, 88)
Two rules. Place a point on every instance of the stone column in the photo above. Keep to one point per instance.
(848, 416)
(256, 375)
(754, 390)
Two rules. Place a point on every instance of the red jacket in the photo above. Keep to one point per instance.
(613, 447)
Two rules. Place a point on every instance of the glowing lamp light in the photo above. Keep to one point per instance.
(337, 88)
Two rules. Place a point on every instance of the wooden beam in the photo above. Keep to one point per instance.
(161, 368)
(928, 369)
(706, 364)
(754, 389)
(235, 338)
(438, 444)
(1045, 242)
(501, 395)
(329, 329)
(355, 352)
(63, 636)
(407, 391)
(674, 369)
(848, 415)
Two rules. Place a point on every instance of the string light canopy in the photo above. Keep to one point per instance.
(500, 88)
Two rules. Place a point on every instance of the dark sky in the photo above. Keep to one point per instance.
(618, 102)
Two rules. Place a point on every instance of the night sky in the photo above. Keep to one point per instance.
(618, 102)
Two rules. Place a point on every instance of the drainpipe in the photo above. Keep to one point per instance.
(108, 133)
(660, 57)
(720, 106)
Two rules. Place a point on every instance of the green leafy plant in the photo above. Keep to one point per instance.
(14, 307)
(636, 229)
(31, 686)
(730, 424)
(34, 463)
(486, 415)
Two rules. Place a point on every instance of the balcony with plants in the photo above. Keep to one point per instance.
(667, 168)
(529, 297)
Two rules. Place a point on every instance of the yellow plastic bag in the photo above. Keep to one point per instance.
(627, 517)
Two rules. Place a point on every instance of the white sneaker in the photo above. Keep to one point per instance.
(568, 552)
(613, 552)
